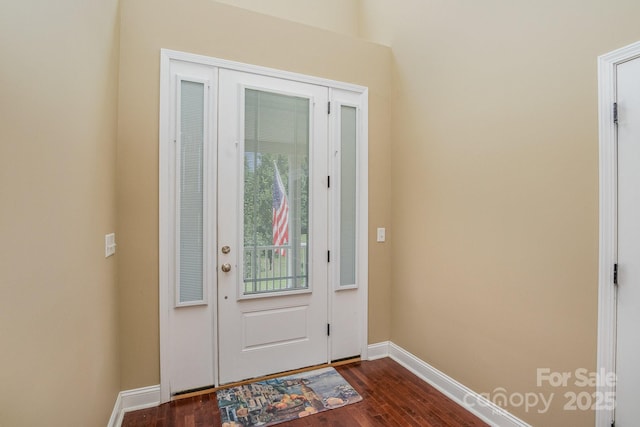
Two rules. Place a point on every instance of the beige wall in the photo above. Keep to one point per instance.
(59, 361)
(342, 16)
(215, 29)
(377, 20)
(488, 188)
(495, 187)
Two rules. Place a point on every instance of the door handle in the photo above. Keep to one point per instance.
(226, 267)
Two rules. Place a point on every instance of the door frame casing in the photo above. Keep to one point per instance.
(608, 213)
(166, 204)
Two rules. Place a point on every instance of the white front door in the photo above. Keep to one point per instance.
(627, 411)
(263, 222)
(272, 225)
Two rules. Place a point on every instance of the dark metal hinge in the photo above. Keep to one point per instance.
(328, 330)
(329, 181)
(615, 274)
(328, 256)
(615, 112)
(329, 107)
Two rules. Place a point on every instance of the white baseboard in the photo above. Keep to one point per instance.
(378, 351)
(132, 400)
(478, 405)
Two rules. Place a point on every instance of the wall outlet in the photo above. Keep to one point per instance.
(109, 245)
(381, 236)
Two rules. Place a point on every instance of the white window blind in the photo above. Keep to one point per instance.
(348, 121)
(190, 191)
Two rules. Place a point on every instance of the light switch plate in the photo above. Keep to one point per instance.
(381, 236)
(109, 245)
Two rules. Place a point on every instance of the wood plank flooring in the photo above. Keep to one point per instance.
(392, 396)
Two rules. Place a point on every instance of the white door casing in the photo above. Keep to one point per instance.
(616, 72)
(627, 410)
(189, 350)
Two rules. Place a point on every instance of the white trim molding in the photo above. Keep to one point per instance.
(168, 54)
(378, 350)
(133, 400)
(473, 402)
(608, 213)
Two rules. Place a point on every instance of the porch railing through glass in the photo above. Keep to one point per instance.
(275, 268)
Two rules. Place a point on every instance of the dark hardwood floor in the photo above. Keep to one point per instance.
(392, 396)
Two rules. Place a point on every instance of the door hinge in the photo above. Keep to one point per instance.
(615, 274)
(615, 112)
(328, 256)
(329, 181)
(613, 424)
(329, 107)
(328, 329)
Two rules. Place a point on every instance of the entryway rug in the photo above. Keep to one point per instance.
(273, 401)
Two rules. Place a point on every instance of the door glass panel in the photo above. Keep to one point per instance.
(347, 196)
(190, 191)
(276, 193)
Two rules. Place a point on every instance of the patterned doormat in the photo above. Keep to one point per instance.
(269, 402)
